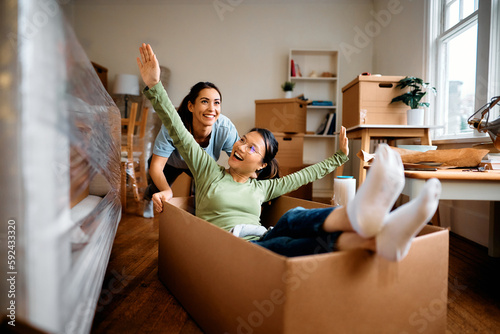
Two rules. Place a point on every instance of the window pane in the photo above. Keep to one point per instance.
(469, 7)
(460, 80)
(452, 14)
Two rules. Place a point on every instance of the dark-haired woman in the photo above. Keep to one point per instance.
(200, 112)
(231, 199)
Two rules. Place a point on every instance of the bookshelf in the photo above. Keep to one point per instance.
(315, 75)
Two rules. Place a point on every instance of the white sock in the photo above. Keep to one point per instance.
(377, 195)
(404, 223)
(148, 209)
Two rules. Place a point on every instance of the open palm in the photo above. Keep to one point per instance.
(148, 65)
(343, 141)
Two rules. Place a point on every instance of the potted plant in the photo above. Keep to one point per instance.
(287, 87)
(418, 89)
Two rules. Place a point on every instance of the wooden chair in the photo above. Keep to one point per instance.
(133, 157)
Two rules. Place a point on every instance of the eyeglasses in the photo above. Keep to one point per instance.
(249, 148)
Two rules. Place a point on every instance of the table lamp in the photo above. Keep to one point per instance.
(126, 84)
(480, 121)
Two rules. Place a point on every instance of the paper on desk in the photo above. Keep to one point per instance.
(463, 157)
(365, 156)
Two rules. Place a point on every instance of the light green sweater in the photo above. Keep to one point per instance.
(219, 199)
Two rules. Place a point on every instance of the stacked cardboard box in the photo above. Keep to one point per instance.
(286, 118)
(281, 115)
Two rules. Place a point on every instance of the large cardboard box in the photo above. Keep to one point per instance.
(291, 149)
(229, 285)
(281, 115)
(367, 100)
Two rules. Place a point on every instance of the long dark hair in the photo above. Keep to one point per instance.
(183, 110)
(271, 171)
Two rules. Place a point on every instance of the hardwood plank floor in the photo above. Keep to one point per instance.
(133, 300)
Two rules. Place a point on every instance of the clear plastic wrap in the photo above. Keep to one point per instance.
(64, 132)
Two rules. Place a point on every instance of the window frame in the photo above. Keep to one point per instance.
(487, 62)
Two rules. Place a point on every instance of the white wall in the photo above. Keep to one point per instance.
(243, 50)
(399, 48)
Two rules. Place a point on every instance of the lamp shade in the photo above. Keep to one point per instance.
(126, 84)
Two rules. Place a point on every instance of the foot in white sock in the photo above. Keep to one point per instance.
(148, 209)
(379, 192)
(404, 223)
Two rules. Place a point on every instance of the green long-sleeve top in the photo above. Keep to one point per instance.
(219, 199)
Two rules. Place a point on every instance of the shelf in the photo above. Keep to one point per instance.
(318, 136)
(314, 78)
(309, 106)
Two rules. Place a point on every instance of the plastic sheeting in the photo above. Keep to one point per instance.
(64, 132)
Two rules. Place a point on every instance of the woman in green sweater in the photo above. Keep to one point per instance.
(231, 199)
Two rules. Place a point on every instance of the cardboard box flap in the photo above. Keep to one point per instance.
(271, 214)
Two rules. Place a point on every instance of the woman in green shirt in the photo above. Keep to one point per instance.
(231, 199)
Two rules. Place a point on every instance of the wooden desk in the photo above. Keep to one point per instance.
(389, 132)
(458, 185)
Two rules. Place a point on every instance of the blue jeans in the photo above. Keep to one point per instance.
(300, 232)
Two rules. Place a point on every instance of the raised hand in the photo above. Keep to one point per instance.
(343, 141)
(148, 65)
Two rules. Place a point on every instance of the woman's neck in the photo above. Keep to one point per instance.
(201, 134)
(238, 177)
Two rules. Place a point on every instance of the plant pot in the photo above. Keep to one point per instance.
(415, 116)
(288, 94)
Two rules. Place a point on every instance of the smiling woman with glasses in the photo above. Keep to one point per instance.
(231, 199)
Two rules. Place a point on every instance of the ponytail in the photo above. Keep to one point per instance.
(271, 171)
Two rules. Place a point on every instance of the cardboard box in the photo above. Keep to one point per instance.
(304, 192)
(229, 285)
(291, 149)
(367, 100)
(281, 115)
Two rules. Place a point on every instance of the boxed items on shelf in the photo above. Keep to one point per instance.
(367, 100)
(281, 115)
(328, 126)
(291, 149)
(229, 285)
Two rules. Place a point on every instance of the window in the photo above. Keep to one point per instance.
(464, 61)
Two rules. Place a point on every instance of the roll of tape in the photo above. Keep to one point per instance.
(344, 189)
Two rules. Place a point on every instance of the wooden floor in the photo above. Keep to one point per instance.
(133, 300)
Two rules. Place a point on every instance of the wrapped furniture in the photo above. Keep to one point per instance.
(60, 171)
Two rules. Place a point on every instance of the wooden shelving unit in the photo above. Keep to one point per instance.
(320, 88)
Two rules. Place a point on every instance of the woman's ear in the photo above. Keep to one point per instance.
(264, 165)
(190, 106)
